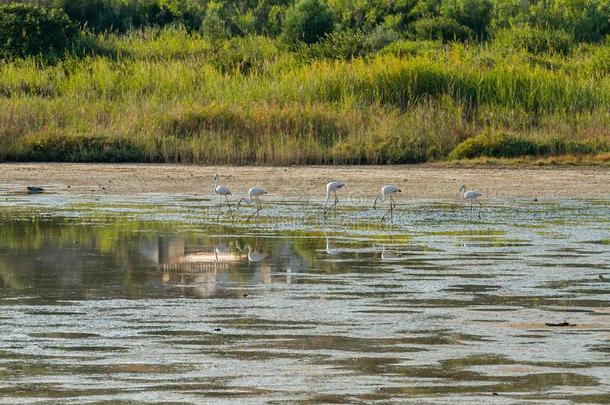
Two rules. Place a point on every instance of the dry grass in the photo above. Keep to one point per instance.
(169, 97)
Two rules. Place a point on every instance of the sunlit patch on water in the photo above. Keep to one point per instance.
(149, 297)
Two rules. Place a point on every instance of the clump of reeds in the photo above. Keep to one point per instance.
(169, 96)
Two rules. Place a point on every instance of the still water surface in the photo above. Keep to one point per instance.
(158, 298)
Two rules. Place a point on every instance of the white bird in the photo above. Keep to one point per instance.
(473, 196)
(254, 256)
(388, 256)
(387, 192)
(330, 251)
(222, 191)
(332, 187)
(253, 196)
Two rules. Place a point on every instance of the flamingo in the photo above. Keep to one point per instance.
(332, 187)
(473, 197)
(387, 192)
(330, 251)
(388, 256)
(220, 191)
(253, 196)
(253, 255)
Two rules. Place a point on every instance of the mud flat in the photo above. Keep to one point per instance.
(418, 181)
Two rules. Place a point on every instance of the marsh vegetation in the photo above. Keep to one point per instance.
(431, 81)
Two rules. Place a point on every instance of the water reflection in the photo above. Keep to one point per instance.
(59, 259)
(440, 311)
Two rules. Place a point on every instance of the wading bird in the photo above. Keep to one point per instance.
(253, 196)
(473, 197)
(253, 255)
(387, 256)
(386, 193)
(332, 187)
(329, 250)
(222, 191)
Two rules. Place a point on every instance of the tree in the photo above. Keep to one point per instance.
(27, 30)
(307, 21)
(441, 28)
(474, 14)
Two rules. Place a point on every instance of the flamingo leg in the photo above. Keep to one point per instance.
(219, 204)
(258, 209)
(479, 210)
(334, 206)
(336, 201)
(386, 213)
(470, 216)
(229, 205)
(392, 205)
(325, 206)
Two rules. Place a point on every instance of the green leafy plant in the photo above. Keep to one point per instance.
(307, 21)
(27, 30)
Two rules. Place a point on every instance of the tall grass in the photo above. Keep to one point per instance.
(169, 96)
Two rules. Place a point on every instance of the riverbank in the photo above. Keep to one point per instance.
(416, 181)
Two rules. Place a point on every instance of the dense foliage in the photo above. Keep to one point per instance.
(581, 20)
(26, 30)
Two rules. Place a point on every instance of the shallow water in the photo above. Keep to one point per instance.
(160, 297)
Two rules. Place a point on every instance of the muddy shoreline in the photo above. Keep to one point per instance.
(416, 181)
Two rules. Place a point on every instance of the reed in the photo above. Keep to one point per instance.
(169, 96)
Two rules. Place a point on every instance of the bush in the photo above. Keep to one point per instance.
(441, 28)
(246, 55)
(53, 146)
(341, 45)
(123, 15)
(353, 44)
(494, 145)
(404, 48)
(585, 20)
(213, 27)
(307, 21)
(536, 40)
(381, 37)
(27, 30)
(474, 14)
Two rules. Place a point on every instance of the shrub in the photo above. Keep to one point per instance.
(441, 28)
(474, 14)
(213, 27)
(494, 145)
(536, 40)
(381, 37)
(27, 30)
(341, 45)
(250, 54)
(55, 146)
(585, 20)
(411, 48)
(307, 21)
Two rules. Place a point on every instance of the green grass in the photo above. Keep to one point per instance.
(169, 96)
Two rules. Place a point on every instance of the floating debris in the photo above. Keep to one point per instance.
(35, 190)
(561, 324)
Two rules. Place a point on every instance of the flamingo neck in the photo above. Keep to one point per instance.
(327, 197)
(215, 183)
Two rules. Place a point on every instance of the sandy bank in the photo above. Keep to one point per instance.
(423, 181)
